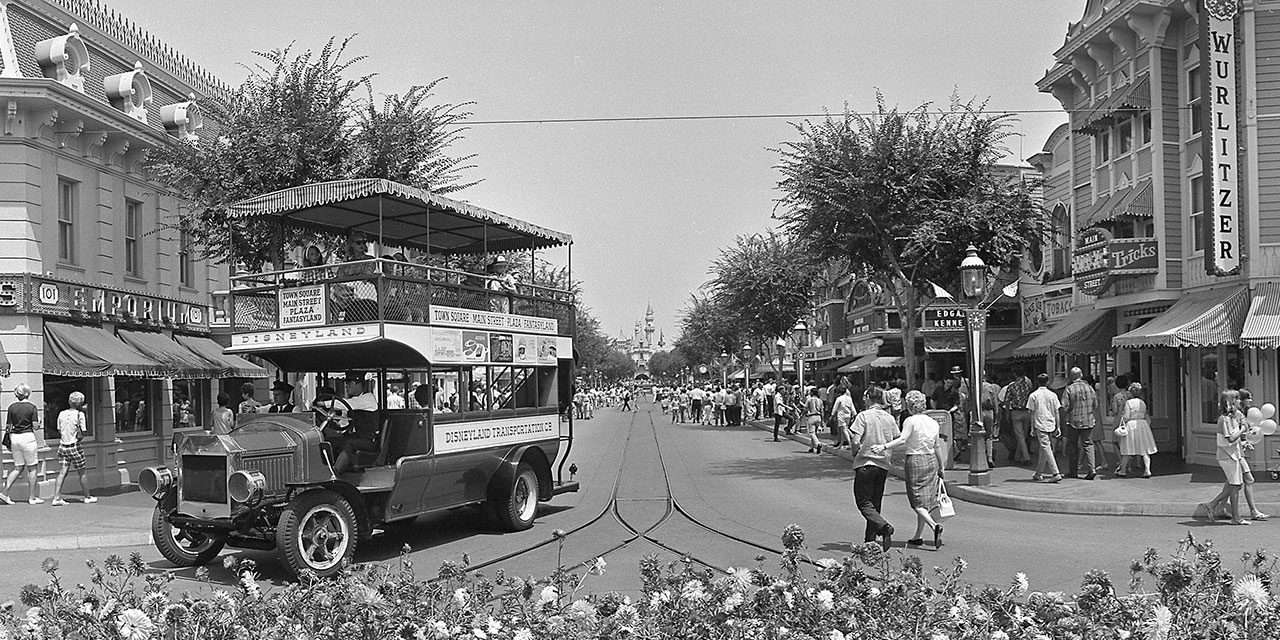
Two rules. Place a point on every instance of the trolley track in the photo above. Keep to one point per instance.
(635, 514)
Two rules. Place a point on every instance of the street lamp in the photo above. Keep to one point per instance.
(746, 373)
(973, 283)
(800, 335)
(724, 368)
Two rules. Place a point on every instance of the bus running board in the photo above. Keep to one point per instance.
(564, 487)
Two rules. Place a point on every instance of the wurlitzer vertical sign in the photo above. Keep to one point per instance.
(1218, 60)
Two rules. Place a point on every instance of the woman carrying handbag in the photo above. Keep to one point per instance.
(923, 466)
(1134, 433)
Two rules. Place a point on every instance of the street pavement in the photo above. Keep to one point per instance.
(733, 479)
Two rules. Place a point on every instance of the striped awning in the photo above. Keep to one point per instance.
(91, 352)
(888, 362)
(1133, 202)
(1204, 319)
(1008, 350)
(1131, 99)
(945, 343)
(231, 366)
(161, 348)
(1262, 324)
(858, 365)
(1086, 331)
(400, 215)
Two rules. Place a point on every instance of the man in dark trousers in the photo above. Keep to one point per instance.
(872, 426)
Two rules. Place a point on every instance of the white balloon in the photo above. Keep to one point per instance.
(1268, 427)
(1268, 411)
(1254, 415)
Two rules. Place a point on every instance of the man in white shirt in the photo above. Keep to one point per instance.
(843, 411)
(696, 398)
(769, 390)
(1045, 406)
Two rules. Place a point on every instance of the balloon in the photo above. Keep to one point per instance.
(1268, 427)
(1254, 416)
(1254, 435)
(1268, 411)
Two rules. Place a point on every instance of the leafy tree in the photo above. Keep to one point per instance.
(706, 330)
(766, 284)
(901, 194)
(617, 366)
(591, 344)
(667, 364)
(299, 119)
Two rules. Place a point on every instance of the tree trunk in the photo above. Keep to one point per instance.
(907, 311)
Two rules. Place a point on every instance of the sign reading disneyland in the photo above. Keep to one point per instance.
(1218, 55)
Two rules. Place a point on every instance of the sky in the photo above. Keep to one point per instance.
(649, 204)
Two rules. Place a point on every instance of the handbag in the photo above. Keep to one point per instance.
(946, 508)
(1122, 430)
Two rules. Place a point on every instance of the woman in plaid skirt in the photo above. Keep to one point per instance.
(70, 426)
(923, 466)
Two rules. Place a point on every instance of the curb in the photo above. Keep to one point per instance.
(987, 497)
(76, 541)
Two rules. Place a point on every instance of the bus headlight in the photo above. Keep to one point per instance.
(155, 481)
(246, 486)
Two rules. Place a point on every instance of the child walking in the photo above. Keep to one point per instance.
(70, 426)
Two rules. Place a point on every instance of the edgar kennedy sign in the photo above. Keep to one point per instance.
(1099, 259)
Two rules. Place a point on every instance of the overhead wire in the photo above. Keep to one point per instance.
(760, 116)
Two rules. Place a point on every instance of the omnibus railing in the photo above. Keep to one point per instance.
(382, 290)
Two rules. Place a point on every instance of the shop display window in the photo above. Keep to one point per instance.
(56, 391)
(135, 404)
(190, 403)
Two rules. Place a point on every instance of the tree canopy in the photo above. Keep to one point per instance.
(298, 119)
(900, 194)
(765, 284)
(707, 329)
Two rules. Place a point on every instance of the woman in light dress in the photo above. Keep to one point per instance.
(1231, 431)
(923, 465)
(1246, 401)
(1138, 441)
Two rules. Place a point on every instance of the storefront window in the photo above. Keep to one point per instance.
(190, 403)
(56, 391)
(135, 406)
(1209, 386)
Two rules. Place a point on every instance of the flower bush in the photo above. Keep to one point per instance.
(869, 594)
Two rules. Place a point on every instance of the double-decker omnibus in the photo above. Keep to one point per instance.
(483, 365)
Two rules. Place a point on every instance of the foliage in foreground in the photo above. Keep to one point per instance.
(869, 594)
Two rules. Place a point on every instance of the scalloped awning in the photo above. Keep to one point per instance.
(1133, 202)
(1202, 319)
(400, 215)
(1129, 99)
(91, 352)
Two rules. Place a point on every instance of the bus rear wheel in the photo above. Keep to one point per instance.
(518, 503)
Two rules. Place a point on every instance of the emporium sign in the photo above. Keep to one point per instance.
(1099, 259)
(1218, 55)
(27, 293)
(485, 320)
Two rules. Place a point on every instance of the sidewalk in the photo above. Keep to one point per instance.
(119, 520)
(1175, 489)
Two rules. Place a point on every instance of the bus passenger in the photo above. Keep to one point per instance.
(501, 285)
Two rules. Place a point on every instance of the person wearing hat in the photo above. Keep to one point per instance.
(500, 282)
(281, 397)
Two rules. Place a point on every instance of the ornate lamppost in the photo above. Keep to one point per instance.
(973, 282)
(724, 368)
(800, 336)
(746, 376)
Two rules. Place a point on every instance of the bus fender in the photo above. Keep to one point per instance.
(506, 473)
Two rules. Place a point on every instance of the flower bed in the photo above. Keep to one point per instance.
(867, 595)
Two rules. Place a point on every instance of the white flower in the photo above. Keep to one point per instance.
(479, 633)
(1250, 593)
(874, 591)
(134, 625)
(836, 634)
(732, 602)
(494, 625)
(1123, 634)
(1020, 583)
(440, 630)
(461, 596)
(692, 590)
(250, 585)
(999, 635)
(938, 635)
(582, 609)
(790, 598)
(826, 600)
(828, 563)
(548, 595)
(597, 566)
(523, 634)
(370, 597)
(555, 624)
(1161, 620)
(658, 599)
(741, 576)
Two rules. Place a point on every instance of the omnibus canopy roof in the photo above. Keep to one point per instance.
(400, 215)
